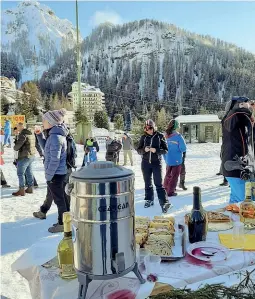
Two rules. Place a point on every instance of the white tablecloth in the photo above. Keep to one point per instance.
(45, 283)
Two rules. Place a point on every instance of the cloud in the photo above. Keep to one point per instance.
(100, 17)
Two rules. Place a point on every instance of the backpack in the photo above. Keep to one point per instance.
(71, 152)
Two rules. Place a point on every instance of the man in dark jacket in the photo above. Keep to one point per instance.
(113, 148)
(235, 126)
(152, 146)
(25, 145)
(127, 143)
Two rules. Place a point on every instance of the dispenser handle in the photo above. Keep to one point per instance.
(119, 262)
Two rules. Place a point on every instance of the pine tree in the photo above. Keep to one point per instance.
(32, 96)
(24, 106)
(101, 120)
(55, 103)
(46, 101)
(118, 122)
(80, 115)
(161, 120)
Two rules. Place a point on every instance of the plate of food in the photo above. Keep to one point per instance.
(161, 237)
(208, 252)
(218, 221)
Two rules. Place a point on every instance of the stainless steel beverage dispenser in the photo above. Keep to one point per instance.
(102, 206)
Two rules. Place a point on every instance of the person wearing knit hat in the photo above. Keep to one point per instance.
(235, 127)
(54, 144)
(55, 117)
(174, 157)
(152, 146)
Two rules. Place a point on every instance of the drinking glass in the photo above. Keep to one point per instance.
(137, 253)
(142, 254)
(238, 233)
(152, 264)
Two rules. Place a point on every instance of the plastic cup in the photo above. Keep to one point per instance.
(152, 264)
(137, 253)
(238, 233)
(142, 254)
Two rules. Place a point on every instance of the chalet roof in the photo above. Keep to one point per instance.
(198, 118)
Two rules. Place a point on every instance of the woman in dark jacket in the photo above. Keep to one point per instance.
(152, 146)
(235, 126)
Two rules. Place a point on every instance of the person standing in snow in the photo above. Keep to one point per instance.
(235, 127)
(45, 207)
(127, 143)
(16, 153)
(25, 146)
(183, 173)
(7, 133)
(3, 180)
(174, 157)
(113, 148)
(152, 146)
(91, 148)
(55, 153)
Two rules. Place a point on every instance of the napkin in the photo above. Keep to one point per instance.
(248, 243)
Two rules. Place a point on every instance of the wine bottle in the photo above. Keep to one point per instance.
(65, 250)
(247, 207)
(197, 222)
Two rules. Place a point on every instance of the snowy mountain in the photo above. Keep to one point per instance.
(34, 36)
(146, 62)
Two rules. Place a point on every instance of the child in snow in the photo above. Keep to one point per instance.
(174, 157)
(90, 155)
(91, 149)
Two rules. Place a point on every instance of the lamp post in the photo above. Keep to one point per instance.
(78, 55)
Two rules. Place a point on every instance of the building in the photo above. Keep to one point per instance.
(92, 99)
(200, 128)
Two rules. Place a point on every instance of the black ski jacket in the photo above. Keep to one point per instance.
(157, 141)
(235, 127)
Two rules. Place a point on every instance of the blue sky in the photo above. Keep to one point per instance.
(230, 21)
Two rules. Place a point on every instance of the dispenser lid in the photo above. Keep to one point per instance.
(101, 170)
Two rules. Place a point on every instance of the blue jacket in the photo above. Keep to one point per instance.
(7, 128)
(176, 148)
(54, 151)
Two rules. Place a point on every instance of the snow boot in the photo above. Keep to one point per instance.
(29, 190)
(148, 203)
(166, 207)
(39, 215)
(182, 186)
(59, 228)
(20, 192)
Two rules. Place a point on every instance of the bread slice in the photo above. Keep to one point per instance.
(169, 218)
(142, 220)
(167, 225)
(141, 228)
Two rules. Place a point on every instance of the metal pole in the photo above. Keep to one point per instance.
(78, 56)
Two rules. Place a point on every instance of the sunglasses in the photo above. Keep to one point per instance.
(148, 128)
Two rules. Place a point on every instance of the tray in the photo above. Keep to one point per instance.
(179, 248)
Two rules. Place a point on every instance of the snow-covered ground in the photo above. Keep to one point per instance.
(19, 229)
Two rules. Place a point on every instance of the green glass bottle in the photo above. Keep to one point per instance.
(65, 250)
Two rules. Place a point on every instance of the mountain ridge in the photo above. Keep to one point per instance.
(34, 36)
(155, 62)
